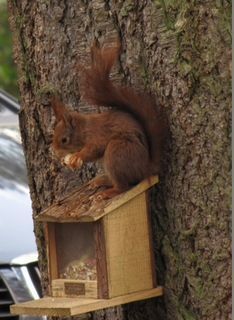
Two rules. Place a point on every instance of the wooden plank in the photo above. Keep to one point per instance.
(51, 250)
(75, 306)
(127, 248)
(74, 288)
(81, 206)
(150, 238)
(100, 249)
(46, 234)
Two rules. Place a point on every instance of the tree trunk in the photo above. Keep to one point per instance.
(182, 51)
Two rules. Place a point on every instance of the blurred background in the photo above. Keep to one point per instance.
(19, 273)
(8, 75)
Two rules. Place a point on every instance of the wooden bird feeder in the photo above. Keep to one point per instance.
(99, 253)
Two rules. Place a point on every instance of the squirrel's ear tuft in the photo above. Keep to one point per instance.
(59, 108)
(62, 113)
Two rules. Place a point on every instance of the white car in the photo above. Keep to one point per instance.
(19, 273)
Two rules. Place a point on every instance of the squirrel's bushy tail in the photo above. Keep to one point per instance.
(99, 90)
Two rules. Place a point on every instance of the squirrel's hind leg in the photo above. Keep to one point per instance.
(108, 193)
(100, 181)
(104, 181)
(126, 162)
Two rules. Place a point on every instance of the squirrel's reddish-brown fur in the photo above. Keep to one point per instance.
(129, 137)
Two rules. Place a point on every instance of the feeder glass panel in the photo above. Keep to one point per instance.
(76, 251)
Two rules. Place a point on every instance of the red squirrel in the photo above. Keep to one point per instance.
(129, 137)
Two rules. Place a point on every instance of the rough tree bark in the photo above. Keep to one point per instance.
(181, 50)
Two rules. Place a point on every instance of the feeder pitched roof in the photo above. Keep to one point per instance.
(81, 205)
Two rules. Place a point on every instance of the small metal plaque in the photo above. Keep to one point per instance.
(74, 289)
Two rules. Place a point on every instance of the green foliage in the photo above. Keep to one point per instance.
(8, 75)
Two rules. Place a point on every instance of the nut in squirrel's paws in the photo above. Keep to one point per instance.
(66, 160)
(73, 161)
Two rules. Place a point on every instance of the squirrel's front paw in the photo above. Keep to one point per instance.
(73, 161)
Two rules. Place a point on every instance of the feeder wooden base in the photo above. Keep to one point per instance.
(74, 306)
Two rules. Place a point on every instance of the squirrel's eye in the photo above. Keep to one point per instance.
(64, 140)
